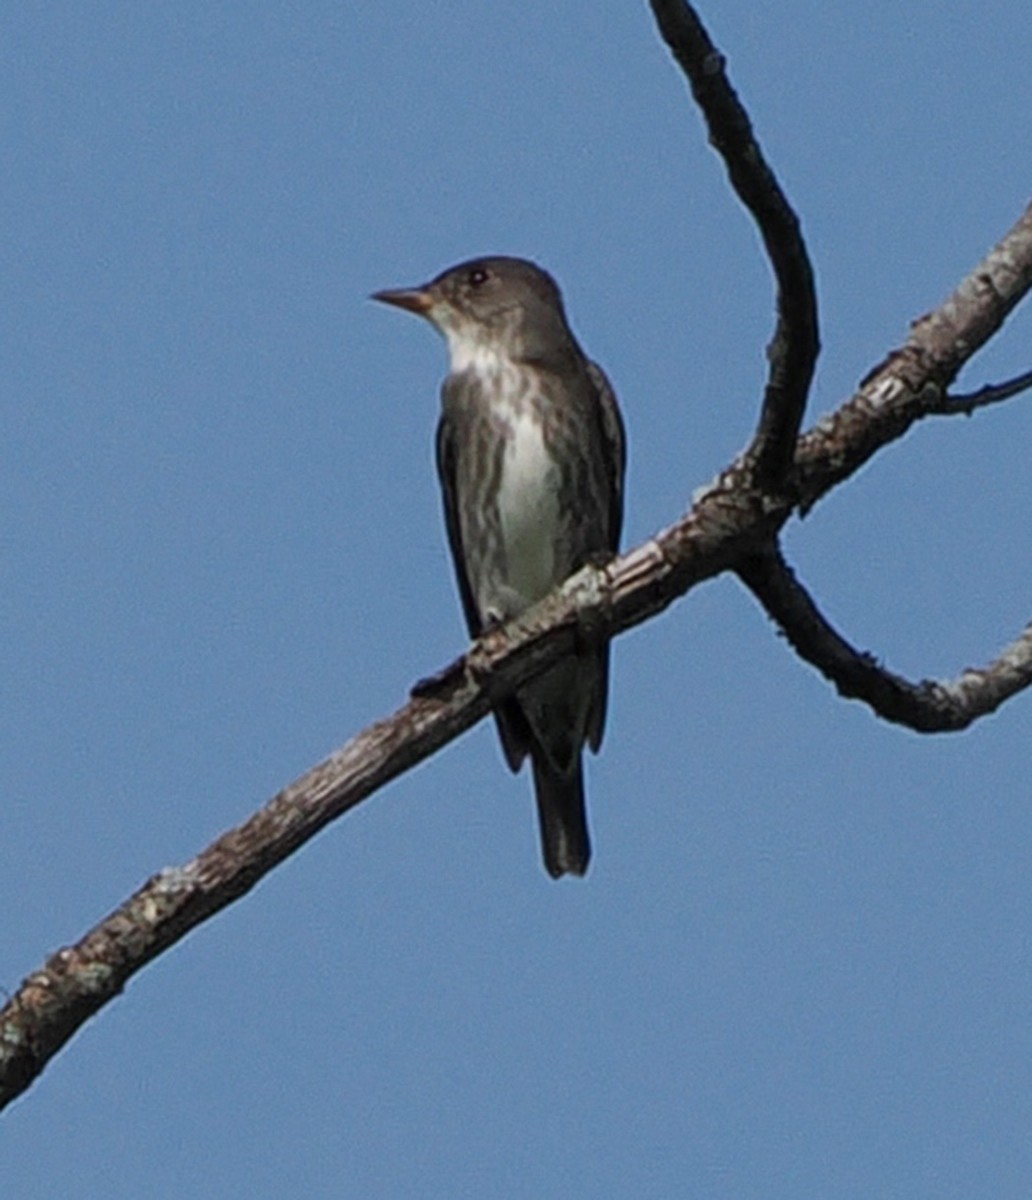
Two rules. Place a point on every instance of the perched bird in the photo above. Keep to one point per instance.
(530, 454)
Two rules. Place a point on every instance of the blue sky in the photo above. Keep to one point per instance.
(800, 965)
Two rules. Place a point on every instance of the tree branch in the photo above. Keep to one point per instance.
(913, 381)
(731, 522)
(793, 350)
(929, 706)
(73, 984)
(992, 393)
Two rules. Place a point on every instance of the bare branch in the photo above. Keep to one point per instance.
(929, 706)
(992, 393)
(793, 351)
(731, 522)
(76, 982)
(913, 381)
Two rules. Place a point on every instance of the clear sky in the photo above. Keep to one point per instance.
(801, 963)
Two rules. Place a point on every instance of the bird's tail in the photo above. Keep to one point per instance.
(564, 827)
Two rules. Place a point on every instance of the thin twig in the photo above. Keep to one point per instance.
(993, 393)
(793, 351)
(931, 706)
(912, 381)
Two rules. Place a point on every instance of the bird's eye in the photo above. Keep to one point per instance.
(478, 276)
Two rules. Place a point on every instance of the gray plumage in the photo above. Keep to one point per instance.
(530, 454)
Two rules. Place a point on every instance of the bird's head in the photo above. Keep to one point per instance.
(506, 307)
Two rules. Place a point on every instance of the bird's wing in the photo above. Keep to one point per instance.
(446, 472)
(615, 441)
(615, 457)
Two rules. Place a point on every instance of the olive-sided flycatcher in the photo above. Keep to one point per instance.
(530, 454)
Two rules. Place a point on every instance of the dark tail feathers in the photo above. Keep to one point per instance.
(565, 844)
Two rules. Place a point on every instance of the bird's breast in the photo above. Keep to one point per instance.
(528, 508)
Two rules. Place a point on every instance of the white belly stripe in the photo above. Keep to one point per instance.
(528, 508)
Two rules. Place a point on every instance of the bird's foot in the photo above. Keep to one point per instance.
(589, 583)
(447, 679)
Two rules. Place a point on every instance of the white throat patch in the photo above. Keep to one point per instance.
(471, 353)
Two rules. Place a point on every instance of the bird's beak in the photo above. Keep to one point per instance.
(416, 300)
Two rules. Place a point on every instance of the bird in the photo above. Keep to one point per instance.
(531, 458)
